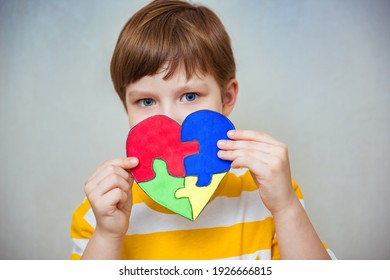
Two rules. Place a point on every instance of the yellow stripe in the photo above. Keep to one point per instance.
(75, 257)
(213, 243)
(296, 189)
(245, 181)
(275, 252)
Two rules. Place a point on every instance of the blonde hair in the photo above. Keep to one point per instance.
(172, 32)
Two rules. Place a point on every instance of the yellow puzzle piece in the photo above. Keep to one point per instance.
(198, 196)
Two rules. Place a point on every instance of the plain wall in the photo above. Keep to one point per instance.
(313, 74)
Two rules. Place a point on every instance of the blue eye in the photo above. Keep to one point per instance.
(146, 102)
(189, 97)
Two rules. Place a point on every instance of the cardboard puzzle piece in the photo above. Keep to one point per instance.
(210, 127)
(163, 137)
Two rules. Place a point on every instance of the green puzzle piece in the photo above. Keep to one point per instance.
(163, 187)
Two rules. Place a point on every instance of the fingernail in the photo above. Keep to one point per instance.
(133, 160)
(221, 142)
(230, 133)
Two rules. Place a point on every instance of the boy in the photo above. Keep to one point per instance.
(173, 58)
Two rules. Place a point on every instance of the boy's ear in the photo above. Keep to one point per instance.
(230, 97)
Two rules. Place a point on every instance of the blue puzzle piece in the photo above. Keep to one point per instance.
(210, 127)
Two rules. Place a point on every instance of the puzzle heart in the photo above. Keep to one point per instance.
(178, 165)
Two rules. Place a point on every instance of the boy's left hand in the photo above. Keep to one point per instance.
(267, 160)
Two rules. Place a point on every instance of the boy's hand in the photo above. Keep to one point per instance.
(267, 160)
(109, 192)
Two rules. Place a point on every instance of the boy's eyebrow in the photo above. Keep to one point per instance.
(186, 87)
(137, 92)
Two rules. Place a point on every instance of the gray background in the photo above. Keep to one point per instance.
(313, 74)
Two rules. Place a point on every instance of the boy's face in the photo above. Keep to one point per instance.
(177, 97)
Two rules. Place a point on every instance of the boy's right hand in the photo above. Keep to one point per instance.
(109, 192)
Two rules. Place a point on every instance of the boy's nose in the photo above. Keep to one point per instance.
(173, 113)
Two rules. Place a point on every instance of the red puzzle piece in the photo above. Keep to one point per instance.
(164, 133)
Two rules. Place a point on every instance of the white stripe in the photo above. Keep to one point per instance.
(79, 246)
(222, 211)
(143, 216)
(262, 254)
(266, 255)
(331, 254)
(90, 218)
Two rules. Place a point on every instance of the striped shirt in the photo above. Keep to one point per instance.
(234, 225)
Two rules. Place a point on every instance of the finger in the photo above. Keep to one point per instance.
(107, 184)
(261, 164)
(107, 171)
(259, 168)
(252, 135)
(278, 151)
(247, 156)
(245, 145)
(124, 163)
